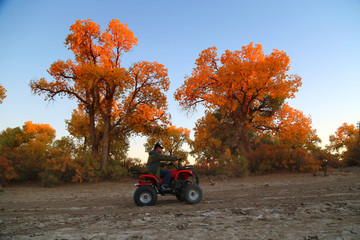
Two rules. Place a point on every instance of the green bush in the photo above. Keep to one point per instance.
(49, 179)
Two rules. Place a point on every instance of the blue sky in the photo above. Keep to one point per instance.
(321, 38)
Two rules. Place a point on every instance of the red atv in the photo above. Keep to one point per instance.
(184, 184)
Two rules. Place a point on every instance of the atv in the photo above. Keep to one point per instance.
(184, 184)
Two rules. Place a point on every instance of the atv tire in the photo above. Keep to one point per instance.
(192, 193)
(145, 196)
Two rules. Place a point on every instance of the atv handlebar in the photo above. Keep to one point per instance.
(177, 166)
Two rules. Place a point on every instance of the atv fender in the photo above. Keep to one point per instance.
(147, 179)
(185, 174)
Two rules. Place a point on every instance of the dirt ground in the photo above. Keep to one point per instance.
(275, 206)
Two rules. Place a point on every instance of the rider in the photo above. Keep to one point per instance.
(153, 165)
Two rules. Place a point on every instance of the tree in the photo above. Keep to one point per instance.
(78, 127)
(2, 94)
(247, 87)
(294, 128)
(211, 147)
(172, 139)
(127, 100)
(285, 145)
(346, 141)
(344, 136)
(209, 141)
(27, 148)
(7, 171)
(70, 78)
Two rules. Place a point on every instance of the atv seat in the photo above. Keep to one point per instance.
(137, 173)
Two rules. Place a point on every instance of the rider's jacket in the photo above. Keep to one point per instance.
(153, 163)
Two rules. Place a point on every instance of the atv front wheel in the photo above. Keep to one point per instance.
(192, 193)
(145, 196)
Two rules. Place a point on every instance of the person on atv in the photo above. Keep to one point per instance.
(153, 165)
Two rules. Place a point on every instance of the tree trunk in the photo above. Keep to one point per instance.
(93, 139)
(105, 143)
(244, 141)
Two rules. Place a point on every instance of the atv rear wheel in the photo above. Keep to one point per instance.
(192, 193)
(145, 196)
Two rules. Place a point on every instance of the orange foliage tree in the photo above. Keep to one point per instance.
(211, 146)
(27, 148)
(294, 128)
(7, 171)
(2, 94)
(285, 146)
(247, 87)
(344, 136)
(78, 127)
(172, 139)
(247, 124)
(208, 141)
(346, 141)
(127, 100)
(30, 152)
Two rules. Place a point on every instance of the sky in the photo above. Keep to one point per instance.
(321, 37)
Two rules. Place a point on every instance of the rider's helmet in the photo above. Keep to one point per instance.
(158, 145)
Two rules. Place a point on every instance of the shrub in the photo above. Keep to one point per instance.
(232, 166)
(352, 156)
(275, 157)
(7, 172)
(206, 167)
(49, 179)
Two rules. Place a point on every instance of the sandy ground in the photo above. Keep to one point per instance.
(275, 206)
